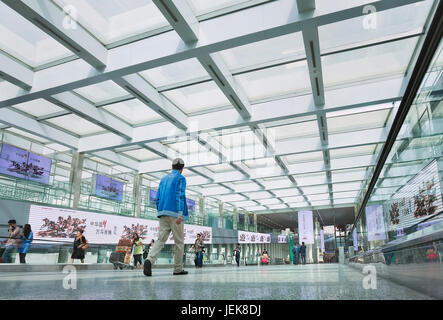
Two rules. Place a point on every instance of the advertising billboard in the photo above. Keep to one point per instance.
(375, 223)
(282, 239)
(60, 224)
(152, 198)
(108, 188)
(305, 227)
(322, 241)
(418, 199)
(355, 239)
(253, 237)
(23, 164)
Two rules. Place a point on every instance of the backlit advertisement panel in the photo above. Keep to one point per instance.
(108, 188)
(60, 224)
(375, 223)
(23, 164)
(305, 227)
(253, 237)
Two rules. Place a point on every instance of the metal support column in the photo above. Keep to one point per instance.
(75, 177)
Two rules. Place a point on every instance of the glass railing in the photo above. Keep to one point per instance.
(401, 221)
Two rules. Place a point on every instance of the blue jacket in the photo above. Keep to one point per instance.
(26, 243)
(171, 199)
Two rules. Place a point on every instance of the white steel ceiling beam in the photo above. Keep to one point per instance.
(86, 110)
(180, 17)
(15, 72)
(220, 33)
(50, 18)
(287, 147)
(362, 95)
(147, 94)
(32, 126)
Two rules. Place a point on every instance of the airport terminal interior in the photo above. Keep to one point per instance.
(310, 130)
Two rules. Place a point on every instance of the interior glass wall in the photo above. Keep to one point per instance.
(405, 207)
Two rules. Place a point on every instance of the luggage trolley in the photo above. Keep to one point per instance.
(122, 255)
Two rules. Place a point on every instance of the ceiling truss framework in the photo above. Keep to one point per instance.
(302, 150)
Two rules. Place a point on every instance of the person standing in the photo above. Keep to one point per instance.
(199, 245)
(138, 251)
(237, 251)
(147, 249)
(295, 252)
(80, 245)
(171, 211)
(12, 242)
(26, 237)
(303, 253)
(191, 251)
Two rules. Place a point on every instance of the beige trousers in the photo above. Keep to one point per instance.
(167, 224)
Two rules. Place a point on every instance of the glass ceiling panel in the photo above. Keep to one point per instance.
(316, 197)
(348, 175)
(102, 91)
(315, 189)
(260, 163)
(187, 147)
(75, 124)
(368, 63)
(286, 79)
(199, 97)
(286, 192)
(277, 206)
(273, 50)
(345, 200)
(142, 154)
(200, 7)
(27, 43)
(321, 203)
(358, 121)
(175, 73)
(26, 135)
(238, 139)
(350, 186)
(352, 151)
(304, 157)
(258, 195)
(113, 20)
(231, 197)
(349, 194)
(310, 179)
(244, 203)
(220, 168)
(390, 24)
(133, 111)
(296, 130)
(293, 199)
(266, 202)
(38, 108)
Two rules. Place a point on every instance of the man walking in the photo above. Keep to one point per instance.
(237, 251)
(303, 253)
(199, 245)
(12, 242)
(295, 252)
(171, 211)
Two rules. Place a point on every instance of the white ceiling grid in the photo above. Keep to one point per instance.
(271, 105)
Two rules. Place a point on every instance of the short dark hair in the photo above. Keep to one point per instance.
(178, 166)
(12, 221)
(80, 230)
(302, 243)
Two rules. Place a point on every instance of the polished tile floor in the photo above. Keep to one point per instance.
(330, 281)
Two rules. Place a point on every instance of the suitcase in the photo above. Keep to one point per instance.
(122, 255)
